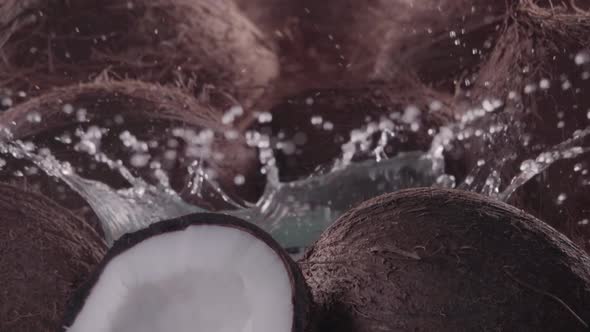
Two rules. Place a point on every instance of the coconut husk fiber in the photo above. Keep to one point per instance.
(537, 70)
(185, 43)
(427, 259)
(45, 253)
(334, 41)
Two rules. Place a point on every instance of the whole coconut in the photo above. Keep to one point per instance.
(446, 260)
(47, 43)
(539, 71)
(45, 254)
(343, 40)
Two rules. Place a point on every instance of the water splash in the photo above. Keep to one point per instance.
(531, 167)
(295, 213)
(119, 211)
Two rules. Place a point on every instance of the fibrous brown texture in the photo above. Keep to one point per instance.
(131, 121)
(47, 43)
(445, 260)
(539, 71)
(45, 254)
(344, 40)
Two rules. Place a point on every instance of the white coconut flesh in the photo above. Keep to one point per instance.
(201, 279)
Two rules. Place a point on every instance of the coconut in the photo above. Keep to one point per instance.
(47, 43)
(45, 253)
(539, 71)
(151, 129)
(446, 260)
(309, 130)
(334, 40)
(442, 42)
(212, 273)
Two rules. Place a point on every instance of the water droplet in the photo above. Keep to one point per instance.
(583, 222)
(264, 117)
(582, 57)
(34, 117)
(316, 120)
(446, 181)
(561, 198)
(544, 84)
(435, 105)
(239, 180)
(490, 105)
(7, 102)
(81, 115)
(230, 116)
(411, 114)
(68, 109)
(481, 162)
(119, 119)
(530, 88)
(140, 160)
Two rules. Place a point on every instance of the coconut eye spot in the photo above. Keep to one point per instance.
(187, 281)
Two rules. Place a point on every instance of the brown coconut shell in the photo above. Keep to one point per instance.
(343, 109)
(343, 40)
(46, 253)
(446, 260)
(301, 296)
(150, 112)
(442, 42)
(185, 43)
(536, 72)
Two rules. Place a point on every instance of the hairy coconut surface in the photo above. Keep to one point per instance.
(539, 70)
(446, 260)
(47, 43)
(439, 40)
(45, 253)
(310, 129)
(205, 272)
(150, 128)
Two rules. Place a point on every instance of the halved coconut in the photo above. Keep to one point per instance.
(45, 254)
(202, 272)
(446, 260)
